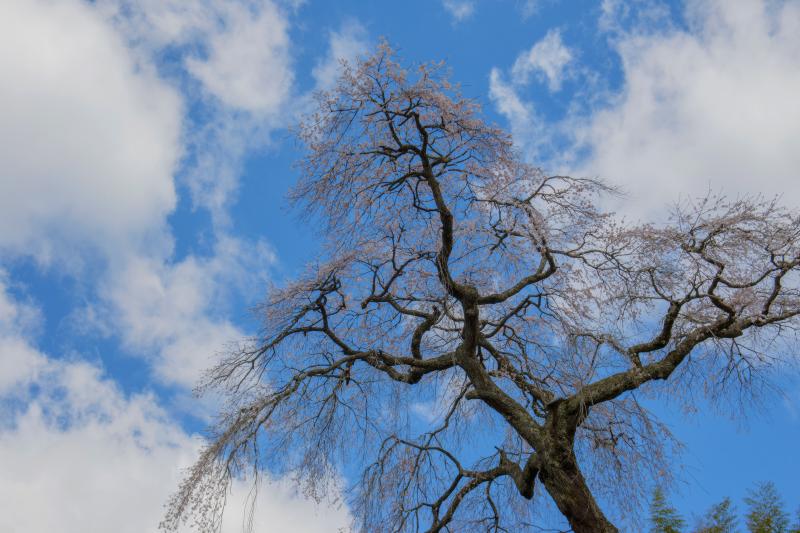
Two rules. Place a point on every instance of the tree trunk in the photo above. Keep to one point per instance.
(563, 480)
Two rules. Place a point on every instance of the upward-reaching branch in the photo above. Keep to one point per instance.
(477, 327)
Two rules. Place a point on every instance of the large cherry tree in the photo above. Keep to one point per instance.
(477, 332)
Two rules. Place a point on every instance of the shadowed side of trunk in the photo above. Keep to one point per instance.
(563, 480)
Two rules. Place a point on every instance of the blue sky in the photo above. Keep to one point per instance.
(146, 160)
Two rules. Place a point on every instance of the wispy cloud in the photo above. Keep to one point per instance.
(345, 44)
(246, 61)
(459, 9)
(529, 8)
(175, 315)
(521, 115)
(548, 59)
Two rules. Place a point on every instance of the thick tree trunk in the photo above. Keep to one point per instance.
(563, 480)
(558, 470)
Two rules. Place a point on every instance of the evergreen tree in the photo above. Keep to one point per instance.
(663, 517)
(796, 527)
(720, 518)
(765, 510)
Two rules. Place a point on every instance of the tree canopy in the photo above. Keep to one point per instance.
(477, 331)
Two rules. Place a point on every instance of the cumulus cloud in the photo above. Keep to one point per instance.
(76, 454)
(248, 64)
(91, 142)
(248, 110)
(547, 59)
(175, 314)
(708, 107)
(90, 136)
(80, 456)
(95, 139)
(239, 51)
(713, 107)
(459, 9)
(235, 62)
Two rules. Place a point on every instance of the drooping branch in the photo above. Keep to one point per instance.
(471, 306)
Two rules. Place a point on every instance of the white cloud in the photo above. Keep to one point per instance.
(235, 61)
(445, 392)
(459, 9)
(19, 362)
(715, 107)
(76, 454)
(91, 140)
(154, 24)
(248, 63)
(619, 18)
(547, 59)
(219, 147)
(239, 50)
(175, 314)
(162, 313)
(530, 8)
(238, 54)
(521, 115)
(235, 128)
(90, 136)
(711, 107)
(346, 44)
(80, 456)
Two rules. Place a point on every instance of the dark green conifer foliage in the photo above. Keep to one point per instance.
(796, 527)
(765, 512)
(720, 518)
(663, 517)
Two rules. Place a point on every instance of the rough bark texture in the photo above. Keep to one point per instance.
(568, 489)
